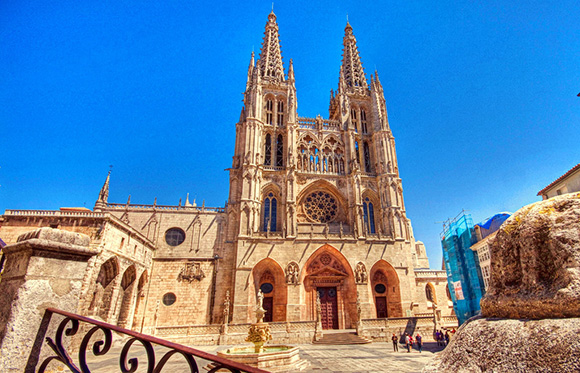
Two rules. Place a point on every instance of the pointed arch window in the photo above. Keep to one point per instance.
(268, 150)
(363, 121)
(357, 152)
(270, 209)
(353, 119)
(280, 116)
(369, 215)
(367, 155)
(430, 293)
(269, 112)
(280, 151)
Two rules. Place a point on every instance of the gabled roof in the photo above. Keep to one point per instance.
(573, 169)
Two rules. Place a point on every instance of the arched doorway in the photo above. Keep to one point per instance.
(386, 291)
(268, 276)
(103, 290)
(126, 295)
(329, 275)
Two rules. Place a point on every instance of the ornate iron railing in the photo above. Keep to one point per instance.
(70, 326)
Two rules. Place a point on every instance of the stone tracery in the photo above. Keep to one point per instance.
(320, 157)
(321, 207)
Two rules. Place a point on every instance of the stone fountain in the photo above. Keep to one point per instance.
(259, 332)
(275, 358)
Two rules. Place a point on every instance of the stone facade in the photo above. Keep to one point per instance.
(315, 205)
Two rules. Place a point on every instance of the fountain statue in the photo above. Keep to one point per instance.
(275, 358)
(259, 332)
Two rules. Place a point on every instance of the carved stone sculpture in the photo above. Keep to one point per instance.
(360, 273)
(292, 271)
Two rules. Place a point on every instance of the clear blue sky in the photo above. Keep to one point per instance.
(481, 96)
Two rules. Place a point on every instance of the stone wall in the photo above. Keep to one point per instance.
(45, 268)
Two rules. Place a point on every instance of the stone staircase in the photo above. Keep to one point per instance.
(341, 338)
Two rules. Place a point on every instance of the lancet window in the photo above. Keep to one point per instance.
(369, 216)
(357, 150)
(363, 121)
(354, 119)
(367, 155)
(280, 151)
(268, 150)
(280, 114)
(270, 210)
(269, 112)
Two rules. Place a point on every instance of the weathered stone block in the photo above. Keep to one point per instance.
(535, 262)
(503, 345)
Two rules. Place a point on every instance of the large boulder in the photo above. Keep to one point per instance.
(535, 262)
(505, 345)
(531, 313)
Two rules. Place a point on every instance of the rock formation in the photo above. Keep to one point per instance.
(531, 313)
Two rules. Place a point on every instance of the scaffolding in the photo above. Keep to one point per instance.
(462, 266)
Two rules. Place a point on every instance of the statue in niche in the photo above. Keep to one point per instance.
(360, 274)
(292, 271)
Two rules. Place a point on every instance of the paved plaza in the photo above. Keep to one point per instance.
(372, 357)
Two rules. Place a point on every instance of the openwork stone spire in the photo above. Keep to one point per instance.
(352, 70)
(104, 193)
(270, 55)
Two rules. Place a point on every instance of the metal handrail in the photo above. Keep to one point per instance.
(70, 326)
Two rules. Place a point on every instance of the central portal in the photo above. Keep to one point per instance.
(329, 307)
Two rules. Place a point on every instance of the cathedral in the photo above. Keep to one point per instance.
(315, 211)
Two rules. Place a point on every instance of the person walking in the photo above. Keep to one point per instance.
(419, 340)
(446, 337)
(395, 340)
(408, 342)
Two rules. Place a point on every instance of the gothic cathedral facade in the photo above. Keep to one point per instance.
(315, 209)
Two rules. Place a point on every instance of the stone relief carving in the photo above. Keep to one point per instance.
(191, 272)
(360, 274)
(292, 273)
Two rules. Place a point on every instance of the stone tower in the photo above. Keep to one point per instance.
(275, 150)
(301, 187)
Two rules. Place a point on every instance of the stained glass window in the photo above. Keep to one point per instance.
(321, 207)
(270, 210)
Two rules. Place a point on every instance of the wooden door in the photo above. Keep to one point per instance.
(329, 307)
(268, 305)
(381, 303)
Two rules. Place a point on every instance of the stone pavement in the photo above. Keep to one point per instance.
(373, 357)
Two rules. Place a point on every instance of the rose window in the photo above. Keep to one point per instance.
(321, 207)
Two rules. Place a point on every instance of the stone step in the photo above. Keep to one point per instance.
(346, 338)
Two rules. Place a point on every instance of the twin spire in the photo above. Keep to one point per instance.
(270, 63)
(352, 73)
(271, 66)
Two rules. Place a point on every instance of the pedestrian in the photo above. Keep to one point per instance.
(419, 340)
(407, 342)
(446, 337)
(438, 338)
(411, 341)
(395, 340)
